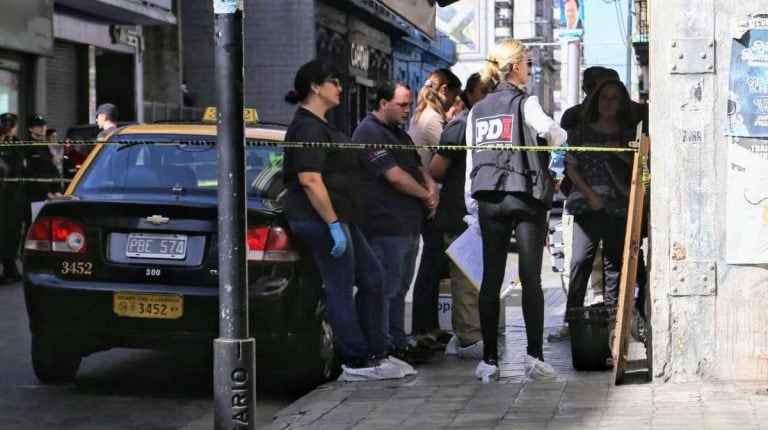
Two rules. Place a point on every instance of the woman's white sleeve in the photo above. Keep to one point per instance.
(470, 203)
(545, 126)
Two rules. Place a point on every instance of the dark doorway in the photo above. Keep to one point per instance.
(115, 83)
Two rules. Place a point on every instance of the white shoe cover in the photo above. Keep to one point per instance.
(538, 370)
(406, 368)
(485, 371)
(384, 370)
(452, 348)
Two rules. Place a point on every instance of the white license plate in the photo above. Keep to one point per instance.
(150, 245)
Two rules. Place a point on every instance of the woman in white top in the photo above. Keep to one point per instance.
(435, 98)
(510, 190)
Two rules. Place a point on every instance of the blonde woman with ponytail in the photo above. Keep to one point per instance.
(435, 98)
(510, 190)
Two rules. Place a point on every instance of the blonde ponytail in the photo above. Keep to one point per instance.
(501, 57)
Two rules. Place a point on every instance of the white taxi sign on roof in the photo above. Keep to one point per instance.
(249, 114)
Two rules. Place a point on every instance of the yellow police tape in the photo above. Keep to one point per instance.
(350, 145)
(322, 145)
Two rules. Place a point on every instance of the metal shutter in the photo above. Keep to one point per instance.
(61, 87)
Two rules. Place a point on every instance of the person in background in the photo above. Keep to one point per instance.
(40, 164)
(57, 151)
(12, 198)
(510, 191)
(4, 167)
(571, 118)
(396, 193)
(73, 156)
(449, 168)
(596, 201)
(434, 100)
(106, 119)
(321, 204)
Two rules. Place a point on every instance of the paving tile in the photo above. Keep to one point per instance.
(446, 395)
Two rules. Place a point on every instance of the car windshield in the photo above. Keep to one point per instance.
(164, 167)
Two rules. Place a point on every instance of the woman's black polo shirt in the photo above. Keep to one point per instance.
(339, 168)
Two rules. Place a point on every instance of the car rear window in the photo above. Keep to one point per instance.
(189, 167)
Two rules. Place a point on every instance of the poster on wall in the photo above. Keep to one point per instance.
(747, 124)
(748, 89)
(571, 18)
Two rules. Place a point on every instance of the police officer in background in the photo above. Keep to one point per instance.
(39, 165)
(11, 195)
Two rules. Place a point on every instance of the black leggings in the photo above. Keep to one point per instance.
(497, 221)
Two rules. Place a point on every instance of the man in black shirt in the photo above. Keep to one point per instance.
(395, 193)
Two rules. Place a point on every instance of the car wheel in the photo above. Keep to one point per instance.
(53, 360)
(326, 362)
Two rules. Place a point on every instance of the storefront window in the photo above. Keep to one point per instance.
(9, 91)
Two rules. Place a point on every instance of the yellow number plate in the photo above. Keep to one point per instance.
(141, 305)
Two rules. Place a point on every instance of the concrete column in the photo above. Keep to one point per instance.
(709, 319)
(139, 73)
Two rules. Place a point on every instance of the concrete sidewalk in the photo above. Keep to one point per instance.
(446, 394)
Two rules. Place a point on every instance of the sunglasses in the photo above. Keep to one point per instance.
(334, 81)
(529, 63)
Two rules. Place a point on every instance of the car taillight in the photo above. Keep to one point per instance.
(56, 235)
(270, 245)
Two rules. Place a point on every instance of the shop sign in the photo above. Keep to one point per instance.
(126, 35)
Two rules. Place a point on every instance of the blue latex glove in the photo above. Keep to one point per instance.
(339, 239)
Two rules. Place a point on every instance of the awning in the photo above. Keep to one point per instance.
(147, 12)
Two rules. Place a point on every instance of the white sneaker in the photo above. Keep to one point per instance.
(406, 368)
(472, 351)
(452, 348)
(538, 370)
(384, 370)
(485, 371)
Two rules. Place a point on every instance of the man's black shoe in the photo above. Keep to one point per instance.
(413, 354)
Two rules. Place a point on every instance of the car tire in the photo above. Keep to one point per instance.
(319, 362)
(324, 355)
(312, 358)
(54, 360)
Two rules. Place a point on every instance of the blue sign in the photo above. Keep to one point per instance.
(747, 112)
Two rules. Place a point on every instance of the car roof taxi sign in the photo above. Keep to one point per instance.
(249, 114)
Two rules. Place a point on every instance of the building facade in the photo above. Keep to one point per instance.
(61, 58)
(476, 24)
(360, 37)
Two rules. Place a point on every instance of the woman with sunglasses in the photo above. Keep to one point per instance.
(599, 198)
(510, 190)
(321, 205)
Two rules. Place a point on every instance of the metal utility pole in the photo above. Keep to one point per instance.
(628, 79)
(234, 373)
(574, 64)
(574, 71)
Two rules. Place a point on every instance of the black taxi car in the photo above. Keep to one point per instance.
(128, 257)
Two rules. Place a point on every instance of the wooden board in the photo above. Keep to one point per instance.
(632, 242)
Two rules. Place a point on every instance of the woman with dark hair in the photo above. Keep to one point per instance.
(321, 204)
(596, 201)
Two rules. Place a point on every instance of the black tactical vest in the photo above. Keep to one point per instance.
(498, 120)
